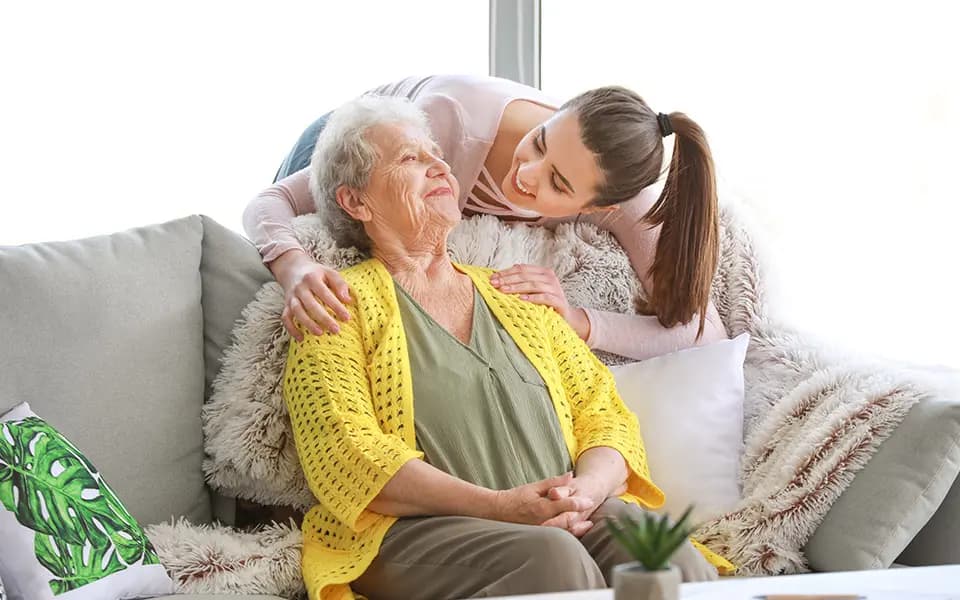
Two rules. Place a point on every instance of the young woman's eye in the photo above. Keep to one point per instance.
(536, 145)
(553, 184)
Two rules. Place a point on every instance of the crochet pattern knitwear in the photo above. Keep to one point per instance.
(350, 400)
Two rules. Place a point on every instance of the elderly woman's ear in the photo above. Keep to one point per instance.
(349, 200)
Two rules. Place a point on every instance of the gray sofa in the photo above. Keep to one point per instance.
(116, 340)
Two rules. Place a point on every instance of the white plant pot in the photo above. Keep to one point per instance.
(633, 582)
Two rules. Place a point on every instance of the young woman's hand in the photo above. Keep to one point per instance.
(541, 286)
(311, 292)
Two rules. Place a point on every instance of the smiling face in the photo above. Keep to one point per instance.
(553, 172)
(411, 192)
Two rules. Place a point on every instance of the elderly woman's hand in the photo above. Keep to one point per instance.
(579, 523)
(309, 289)
(531, 505)
(541, 286)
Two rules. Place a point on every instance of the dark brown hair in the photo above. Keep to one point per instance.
(623, 132)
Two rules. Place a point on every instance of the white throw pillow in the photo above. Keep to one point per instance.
(65, 533)
(690, 407)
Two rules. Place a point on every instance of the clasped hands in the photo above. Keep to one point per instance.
(565, 501)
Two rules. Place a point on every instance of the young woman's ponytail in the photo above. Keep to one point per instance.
(627, 138)
(688, 248)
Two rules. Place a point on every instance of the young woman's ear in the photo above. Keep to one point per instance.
(350, 201)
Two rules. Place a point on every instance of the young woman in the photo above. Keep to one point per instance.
(519, 156)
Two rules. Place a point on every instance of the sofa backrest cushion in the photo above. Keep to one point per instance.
(232, 274)
(103, 337)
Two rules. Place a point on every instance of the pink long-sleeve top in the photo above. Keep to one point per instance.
(464, 113)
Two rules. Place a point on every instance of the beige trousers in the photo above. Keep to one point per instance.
(442, 558)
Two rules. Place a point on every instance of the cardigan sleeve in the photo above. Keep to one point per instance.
(345, 454)
(600, 417)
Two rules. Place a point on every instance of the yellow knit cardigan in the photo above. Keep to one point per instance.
(350, 400)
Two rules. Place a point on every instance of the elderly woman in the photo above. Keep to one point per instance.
(460, 441)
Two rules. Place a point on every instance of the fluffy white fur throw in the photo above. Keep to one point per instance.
(808, 429)
(213, 559)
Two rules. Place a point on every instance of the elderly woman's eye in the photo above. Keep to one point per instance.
(409, 158)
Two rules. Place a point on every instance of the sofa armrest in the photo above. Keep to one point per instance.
(936, 544)
(898, 507)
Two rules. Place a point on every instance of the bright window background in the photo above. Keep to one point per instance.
(120, 114)
(837, 122)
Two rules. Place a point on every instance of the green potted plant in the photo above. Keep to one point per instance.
(651, 541)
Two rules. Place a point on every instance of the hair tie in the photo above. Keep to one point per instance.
(665, 127)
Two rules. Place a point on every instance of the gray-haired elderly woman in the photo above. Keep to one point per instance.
(460, 441)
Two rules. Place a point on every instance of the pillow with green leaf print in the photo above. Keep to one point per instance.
(65, 533)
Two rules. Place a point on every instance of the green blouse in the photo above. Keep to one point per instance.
(482, 412)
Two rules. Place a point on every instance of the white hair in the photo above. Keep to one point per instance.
(344, 156)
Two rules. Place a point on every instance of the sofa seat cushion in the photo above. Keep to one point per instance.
(103, 337)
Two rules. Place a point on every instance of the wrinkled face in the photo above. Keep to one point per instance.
(553, 172)
(411, 189)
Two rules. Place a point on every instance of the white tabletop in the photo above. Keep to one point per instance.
(914, 583)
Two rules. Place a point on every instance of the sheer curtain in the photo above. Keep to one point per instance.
(837, 122)
(119, 114)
